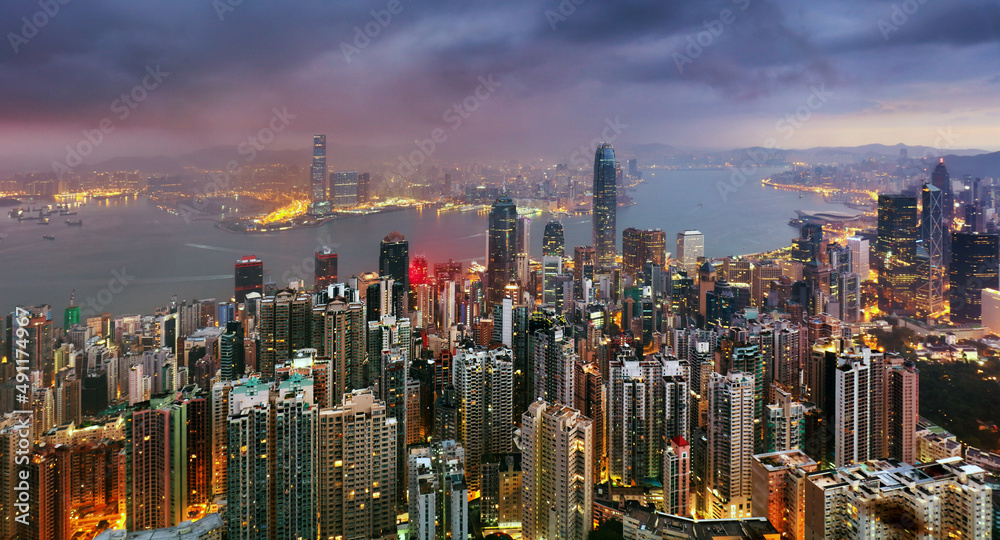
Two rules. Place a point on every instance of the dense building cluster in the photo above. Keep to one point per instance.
(684, 396)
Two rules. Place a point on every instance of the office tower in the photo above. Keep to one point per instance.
(318, 170)
(640, 246)
(326, 268)
(147, 491)
(357, 474)
(551, 269)
(384, 296)
(974, 262)
(900, 409)
(557, 461)
(690, 247)
(364, 188)
(849, 297)
(231, 355)
(942, 181)
(553, 240)
(930, 292)
(584, 262)
(677, 477)
(523, 242)
(896, 251)
(860, 252)
(394, 259)
(344, 334)
(605, 206)
(344, 187)
(785, 427)
(418, 272)
(502, 244)
(249, 277)
(438, 495)
(730, 444)
(948, 498)
(808, 246)
(553, 356)
(855, 409)
(779, 480)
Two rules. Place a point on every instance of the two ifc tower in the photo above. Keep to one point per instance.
(501, 264)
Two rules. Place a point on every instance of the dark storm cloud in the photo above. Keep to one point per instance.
(559, 73)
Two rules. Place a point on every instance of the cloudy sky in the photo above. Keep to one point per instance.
(538, 78)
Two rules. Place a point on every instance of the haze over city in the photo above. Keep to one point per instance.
(717, 74)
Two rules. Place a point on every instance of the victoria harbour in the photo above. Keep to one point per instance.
(162, 255)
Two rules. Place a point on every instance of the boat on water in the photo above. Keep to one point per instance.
(77, 223)
(43, 221)
(48, 237)
(66, 213)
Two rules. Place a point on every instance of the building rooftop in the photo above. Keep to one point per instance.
(187, 530)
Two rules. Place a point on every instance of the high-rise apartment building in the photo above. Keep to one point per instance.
(860, 253)
(677, 477)
(357, 474)
(785, 427)
(438, 495)
(730, 444)
(605, 206)
(557, 461)
(948, 498)
(779, 480)
(553, 356)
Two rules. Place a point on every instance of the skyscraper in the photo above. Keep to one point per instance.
(557, 462)
(318, 170)
(231, 356)
(931, 287)
(974, 261)
(860, 252)
(345, 188)
(357, 473)
(501, 266)
(438, 495)
(364, 188)
(640, 246)
(605, 205)
(900, 409)
(690, 246)
(730, 444)
(326, 268)
(394, 259)
(553, 240)
(942, 180)
(896, 251)
(249, 277)
(523, 235)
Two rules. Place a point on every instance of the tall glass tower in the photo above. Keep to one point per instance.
(553, 241)
(501, 266)
(318, 171)
(605, 205)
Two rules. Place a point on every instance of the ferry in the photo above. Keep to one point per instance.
(77, 223)
(43, 221)
(48, 237)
